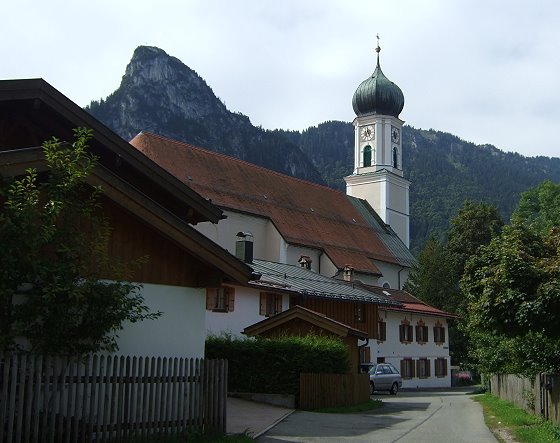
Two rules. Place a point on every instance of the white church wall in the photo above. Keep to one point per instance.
(267, 240)
(393, 274)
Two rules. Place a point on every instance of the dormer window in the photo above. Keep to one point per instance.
(367, 156)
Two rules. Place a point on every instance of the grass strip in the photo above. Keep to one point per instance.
(503, 417)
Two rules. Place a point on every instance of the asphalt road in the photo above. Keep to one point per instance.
(435, 416)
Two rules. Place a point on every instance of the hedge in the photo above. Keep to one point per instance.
(273, 365)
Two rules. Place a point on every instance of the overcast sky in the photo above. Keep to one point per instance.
(485, 70)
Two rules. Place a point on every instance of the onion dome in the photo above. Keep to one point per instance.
(378, 95)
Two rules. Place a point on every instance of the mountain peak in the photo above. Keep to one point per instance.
(160, 94)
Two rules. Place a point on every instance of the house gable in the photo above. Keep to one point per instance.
(156, 206)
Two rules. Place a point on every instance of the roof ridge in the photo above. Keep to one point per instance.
(220, 154)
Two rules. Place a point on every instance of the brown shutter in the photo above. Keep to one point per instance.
(412, 368)
(418, 332)
(428, 366)
(231, 299)
(401, 332)
(444, 367)
(417, 366)
(210, 298)
(365, 356)
(410, 333)
(402, 368)
(262, 309)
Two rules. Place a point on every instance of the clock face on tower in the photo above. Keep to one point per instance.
(395, 135)
(367, 132)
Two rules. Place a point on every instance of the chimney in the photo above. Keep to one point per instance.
(348, 273)
(244, 247)
(305, 261)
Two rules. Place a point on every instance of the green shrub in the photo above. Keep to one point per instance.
(273, 365)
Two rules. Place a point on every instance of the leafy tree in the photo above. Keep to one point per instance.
(432, 279)
(475, 225)
(513, 286)
(60, 290)
(513, 290)
(539, 207)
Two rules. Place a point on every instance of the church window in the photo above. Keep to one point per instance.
(395, 157)
(367, 156)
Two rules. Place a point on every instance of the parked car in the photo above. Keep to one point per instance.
(384, 377)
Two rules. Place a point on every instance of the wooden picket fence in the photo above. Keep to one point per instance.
(109, 398)
(539, 395)
(332, 390)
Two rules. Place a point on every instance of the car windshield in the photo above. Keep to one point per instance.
(372, 369)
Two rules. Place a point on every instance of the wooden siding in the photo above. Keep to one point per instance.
(332, 390)
(167, 263)
(342, 311)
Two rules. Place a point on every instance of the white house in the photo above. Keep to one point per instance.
(414, 337)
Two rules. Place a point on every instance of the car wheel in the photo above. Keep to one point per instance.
(394, 389)
(371, 388)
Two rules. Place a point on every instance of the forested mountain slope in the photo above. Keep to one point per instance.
(443, 169)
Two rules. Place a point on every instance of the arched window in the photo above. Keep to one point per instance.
(367, 156)
(395, 157)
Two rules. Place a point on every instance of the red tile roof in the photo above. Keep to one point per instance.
(304, 213)
(409, 302)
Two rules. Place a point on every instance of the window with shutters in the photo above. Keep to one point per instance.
(381, 330)
(270, 304)
(407, 368)
(439, 333)
(421, 332)
(441, 367)
(423, 368)
(220, 299)
(406, 332)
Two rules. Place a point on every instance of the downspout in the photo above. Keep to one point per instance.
(399, 277)
(360, 351)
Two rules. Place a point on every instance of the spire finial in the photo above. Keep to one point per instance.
(378, 49)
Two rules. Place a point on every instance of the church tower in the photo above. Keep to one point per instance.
(378, 169)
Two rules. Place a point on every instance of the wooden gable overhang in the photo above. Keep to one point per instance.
(300, 314)
(135, 189)
(32, 111)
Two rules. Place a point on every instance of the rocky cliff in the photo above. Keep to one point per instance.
(160, 94)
